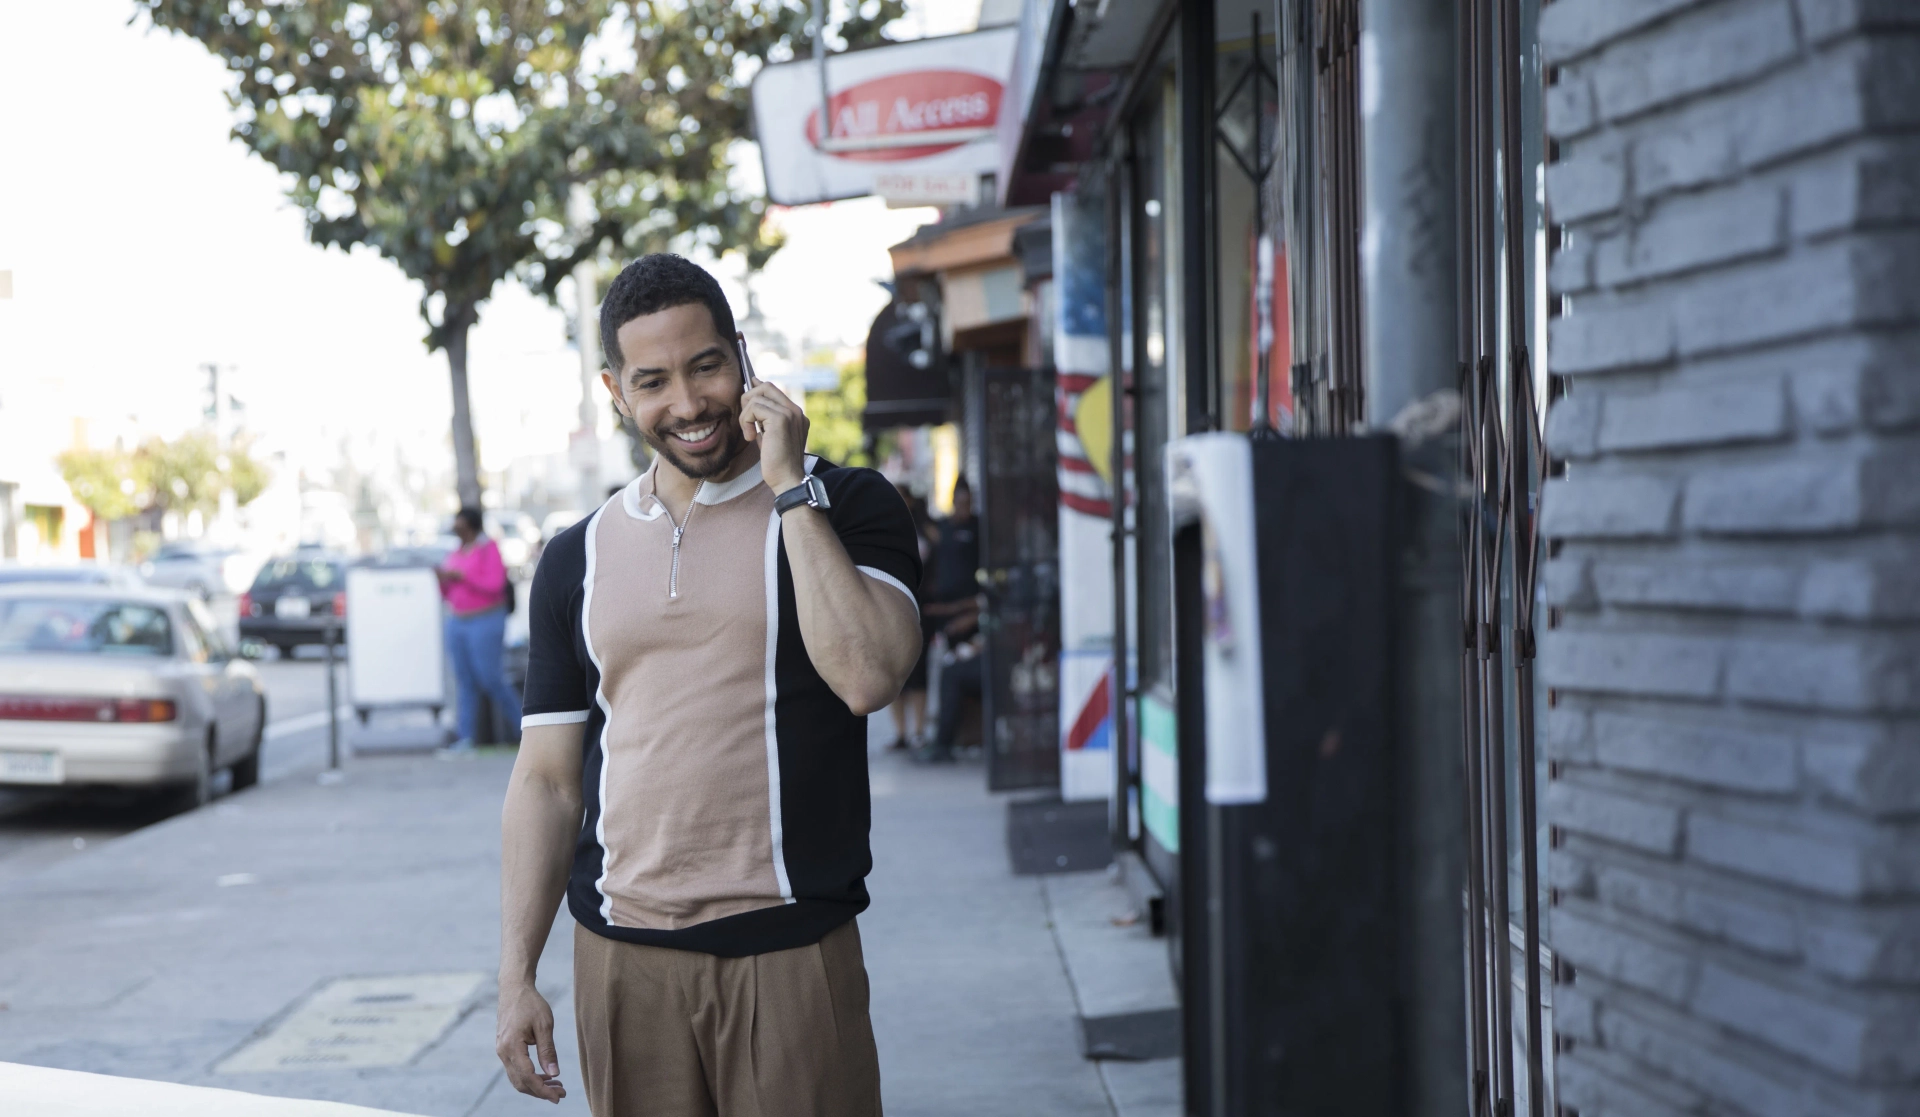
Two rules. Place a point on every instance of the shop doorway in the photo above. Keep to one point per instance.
(1020, 576)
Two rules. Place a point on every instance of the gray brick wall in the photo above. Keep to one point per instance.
(1734, 583)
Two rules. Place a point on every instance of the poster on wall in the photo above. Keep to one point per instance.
(916, 117)
(1084, 437)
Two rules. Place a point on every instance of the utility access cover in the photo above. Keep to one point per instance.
(354, 1022)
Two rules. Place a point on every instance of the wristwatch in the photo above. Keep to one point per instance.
(809, 492)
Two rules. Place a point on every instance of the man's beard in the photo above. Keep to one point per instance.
(711, 464)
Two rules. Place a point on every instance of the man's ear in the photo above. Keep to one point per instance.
(613, 389)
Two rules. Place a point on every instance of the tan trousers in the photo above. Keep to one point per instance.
(675, 1033)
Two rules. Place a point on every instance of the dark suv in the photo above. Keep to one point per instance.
(295, 599)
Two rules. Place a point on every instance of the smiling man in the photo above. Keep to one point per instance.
(692, 773)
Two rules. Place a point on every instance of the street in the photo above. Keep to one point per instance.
(41, 828)
(183, 949)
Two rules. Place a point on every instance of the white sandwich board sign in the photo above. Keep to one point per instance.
(394, 639)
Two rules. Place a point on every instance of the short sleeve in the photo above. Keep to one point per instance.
(557, 689)
(875, 527)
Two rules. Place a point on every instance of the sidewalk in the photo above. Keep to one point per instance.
(161, 955)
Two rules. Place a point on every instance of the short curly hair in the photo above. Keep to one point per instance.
(653, 283)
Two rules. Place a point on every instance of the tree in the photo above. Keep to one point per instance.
(187, 474)
(469, 141)
(834, 430)
(102, 481)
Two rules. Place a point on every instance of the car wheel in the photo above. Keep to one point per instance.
(197, 791)
(286, 650)
(246, 770)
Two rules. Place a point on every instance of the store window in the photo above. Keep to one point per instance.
(1155, 340)
(1250, 250)
(1158, 380)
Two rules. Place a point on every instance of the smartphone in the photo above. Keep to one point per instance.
(747, 377)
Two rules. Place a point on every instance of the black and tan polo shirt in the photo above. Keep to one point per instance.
(725, 783)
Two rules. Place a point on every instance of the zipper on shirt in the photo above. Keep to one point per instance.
(680, 529)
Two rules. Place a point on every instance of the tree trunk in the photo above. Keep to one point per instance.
(466, 462)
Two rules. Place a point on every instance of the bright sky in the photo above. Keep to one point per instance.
(144, 242)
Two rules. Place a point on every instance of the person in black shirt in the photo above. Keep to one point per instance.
(953, 608)
(910, 711)
(956, 556)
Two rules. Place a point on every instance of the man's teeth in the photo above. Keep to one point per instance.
(695, 436)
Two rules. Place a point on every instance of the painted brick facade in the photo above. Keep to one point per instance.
(1734, 730)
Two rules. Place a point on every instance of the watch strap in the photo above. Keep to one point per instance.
(808, 492)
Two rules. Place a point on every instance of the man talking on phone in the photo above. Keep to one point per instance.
(692, 775)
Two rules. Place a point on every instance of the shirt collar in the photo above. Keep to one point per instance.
(711, 493)
(639, 501)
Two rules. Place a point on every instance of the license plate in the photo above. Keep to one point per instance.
(30, 767)
(292, 607)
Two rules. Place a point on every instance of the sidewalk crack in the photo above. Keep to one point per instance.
(484, 1094)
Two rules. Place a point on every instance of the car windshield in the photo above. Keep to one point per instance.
(69, 575)
(51, 624)
(299, 573)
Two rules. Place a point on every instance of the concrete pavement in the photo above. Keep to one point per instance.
(41, 827)
(162, 953)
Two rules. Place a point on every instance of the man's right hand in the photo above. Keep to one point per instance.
(526, 1020)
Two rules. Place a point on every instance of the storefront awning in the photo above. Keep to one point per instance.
(898, 393)
(1067, 67)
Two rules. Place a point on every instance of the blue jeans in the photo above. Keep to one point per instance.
(473, 644)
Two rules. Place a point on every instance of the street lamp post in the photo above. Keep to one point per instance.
(333, 697)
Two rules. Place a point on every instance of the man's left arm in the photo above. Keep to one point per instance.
(862, 631)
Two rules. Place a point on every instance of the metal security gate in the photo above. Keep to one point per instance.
(1020, 557)
(1502, 460)
(1319, 84)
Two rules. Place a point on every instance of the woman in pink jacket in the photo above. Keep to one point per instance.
(474, 582)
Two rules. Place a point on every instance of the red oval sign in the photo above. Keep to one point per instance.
(900, 105)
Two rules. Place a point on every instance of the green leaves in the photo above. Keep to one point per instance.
(185, 474)
(450, 135)
(473, 140)
(101, 480)
(834, 428)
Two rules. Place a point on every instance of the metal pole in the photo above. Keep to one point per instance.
(333, 699)
(1119, 385)
(820, 67)
(586, 310)
(586, 303)
(1408, 333)
(1263, 163)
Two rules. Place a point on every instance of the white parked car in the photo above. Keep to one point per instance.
(129, 687)
(81, 574)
